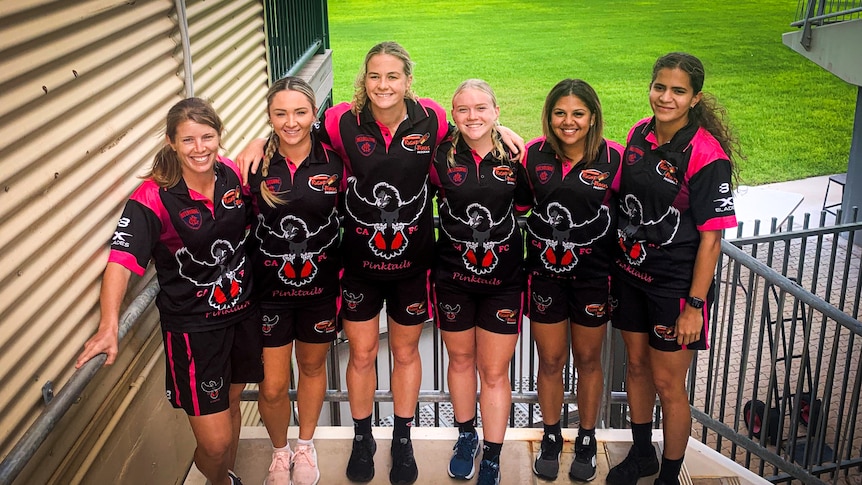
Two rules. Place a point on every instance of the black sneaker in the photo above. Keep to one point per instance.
(360, 466)
(404, 469)
(584, 465)
(547, 464)
(632, 468)
(489, 473)
(234, 480)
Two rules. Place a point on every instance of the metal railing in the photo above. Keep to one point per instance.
(296, 30)
(811, 13)
(779, 389)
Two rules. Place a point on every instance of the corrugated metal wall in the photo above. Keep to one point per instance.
(84, 90)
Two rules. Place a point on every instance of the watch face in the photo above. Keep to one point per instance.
(695, 302)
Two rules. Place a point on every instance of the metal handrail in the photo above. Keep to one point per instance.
(26, 447)
(793, 288)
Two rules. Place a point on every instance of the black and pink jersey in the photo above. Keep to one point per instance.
(197, 246)
(296, 258)
(668, 194)
(388, 221)
(480, 247)
(571, 231)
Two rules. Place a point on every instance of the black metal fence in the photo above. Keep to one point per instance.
(295, 31)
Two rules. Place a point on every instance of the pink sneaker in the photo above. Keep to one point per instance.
(279, 469)
(305, 471)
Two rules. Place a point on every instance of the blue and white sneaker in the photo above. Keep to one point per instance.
(463, 465)
(489, 473)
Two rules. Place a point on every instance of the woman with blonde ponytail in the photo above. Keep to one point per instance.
(478, 277)
(191, 217)
(296, 265)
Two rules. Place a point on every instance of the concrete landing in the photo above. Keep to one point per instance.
(433, 448)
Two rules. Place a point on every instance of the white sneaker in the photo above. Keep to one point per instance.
(279, 469)
(304, 465)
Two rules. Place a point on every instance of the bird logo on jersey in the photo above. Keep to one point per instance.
(212, 388)
(450, 311)
(559, 235)
(221, 274)
(480, 251)
(541, 304)
(351, 300)
(268, 323)
(388, 218)
(296, 246)
(633, 238)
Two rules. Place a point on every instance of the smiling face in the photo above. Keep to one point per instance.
(571, 120)
(671, 96)
(292, 115)
(386, 82)
(197, 147)
(474, 113)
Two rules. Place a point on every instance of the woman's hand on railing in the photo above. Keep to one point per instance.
(250, 157)
(104, 341)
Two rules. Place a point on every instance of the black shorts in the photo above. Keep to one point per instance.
(200, 366)
(554, 300)
(315, 323)
(457, 310)
(638, 311)
(406, 299)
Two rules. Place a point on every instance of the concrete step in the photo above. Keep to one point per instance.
(433, 448)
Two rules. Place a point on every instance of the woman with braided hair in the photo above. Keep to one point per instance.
(296, 264)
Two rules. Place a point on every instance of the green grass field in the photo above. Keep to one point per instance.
(782, 105)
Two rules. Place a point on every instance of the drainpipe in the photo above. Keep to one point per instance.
(183, 24)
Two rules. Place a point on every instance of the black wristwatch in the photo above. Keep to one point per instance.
(695, 302)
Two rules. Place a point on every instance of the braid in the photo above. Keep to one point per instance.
(450, 157)
(499, 151)
(268, 196)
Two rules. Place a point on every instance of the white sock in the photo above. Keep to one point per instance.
(284, 448)
(308, 443)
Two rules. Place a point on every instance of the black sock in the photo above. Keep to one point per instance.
(553, 429)
(669, 473)
(491, 451)
(468, 426)
(642, 438)
(362, 426)
(586, 432)
(402, 427)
